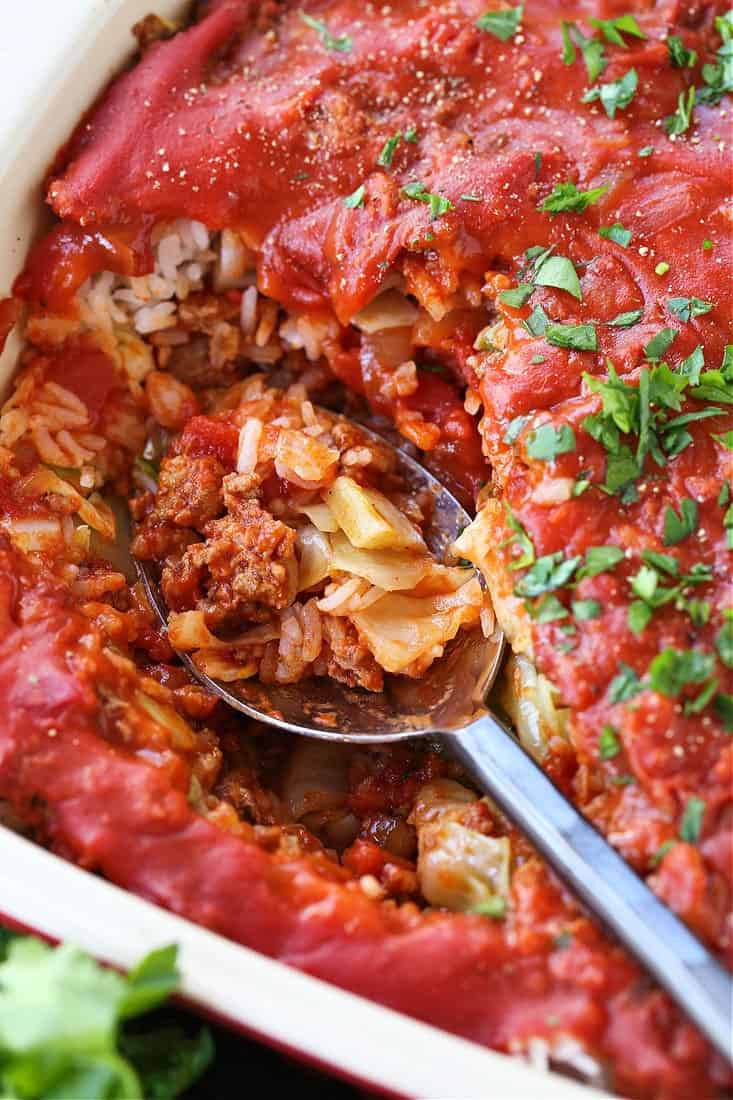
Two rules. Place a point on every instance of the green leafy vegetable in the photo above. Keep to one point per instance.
(584, 610)
(692, 819)
(517, 297)
(559, 272)
(680, 121)
(566, 198)
(521, 539)
(547, 574)
(60, 1027)
(590, 48)
(438, 204)
(613, 29)
(679, 56)
(600, 559)
(625, 684)
(626, 320)
(679, 527)
(718, 77)
(514, 429)
(388, 150)
(502, 24)
(547, 442)
(537, 322)
(616, 95)
(724, 640)
(608, 744)
(356, 198)
(577, 337)
(686, 308)
(617, 233)
(673, 669)
(339, 45)
(660, 344)
(661, 852)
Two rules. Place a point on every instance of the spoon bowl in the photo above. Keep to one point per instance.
(448, 697)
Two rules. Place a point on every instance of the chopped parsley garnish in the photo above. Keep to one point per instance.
(537, 359)
(662, 268)
(717, 385)
(537, 165)
(502, 24)
(622, 780)
(616, 95)
(660, 344)
(626, 320)
(537, 322)
(679, 527)
(613, 29)
(718, 78)
(625, 684)
(547, 442)
(356, 198)
(410, 135)
(608, 744)
(581, 485)
(438, 204)
(661, 852)
(577, 337)
(617, 233)
(699, 611)
(638, 616)
(590, 48)
(584, 610)
(686, 308)
(514, 429)
(692, 365)
(680, 121)
(518, 297)
(600, 559)
(679, 56)
(471, 198)
(692, 819)
(547, 610)
(340, 45)
(646, 151)
(550, 572)
(521, 539)
(566, 198)
(707, 245)
(558, 272)
(388, 150)
(724, 640)
(674, 669)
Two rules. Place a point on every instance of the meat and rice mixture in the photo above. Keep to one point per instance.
(504, 234)
(281, 558)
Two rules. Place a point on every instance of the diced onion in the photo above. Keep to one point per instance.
(248, 447)
(187, 630)
(320, 516)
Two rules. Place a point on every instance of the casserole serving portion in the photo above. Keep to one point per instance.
(504, 233)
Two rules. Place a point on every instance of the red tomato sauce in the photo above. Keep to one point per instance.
(247, 120)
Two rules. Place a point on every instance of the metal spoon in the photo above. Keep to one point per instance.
(449, 703)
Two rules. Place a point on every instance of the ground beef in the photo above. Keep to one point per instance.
(189, 491)
(245, 570)
(345, 658)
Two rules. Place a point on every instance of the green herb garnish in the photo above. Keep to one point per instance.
(692, 819)
(617, 233)
(577, 337)
(608, 744)
(547, 442)
(680, 121)
(340, 45)
(502, 24)
(566, 198)
(356, 198)
(438, 204)
(616, 95)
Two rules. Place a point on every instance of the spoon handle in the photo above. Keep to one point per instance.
(599, 876)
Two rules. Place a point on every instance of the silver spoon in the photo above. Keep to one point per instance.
(449, 703)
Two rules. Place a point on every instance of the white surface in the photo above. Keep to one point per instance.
(55, 56)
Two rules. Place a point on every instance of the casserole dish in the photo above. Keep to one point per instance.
(91, 826)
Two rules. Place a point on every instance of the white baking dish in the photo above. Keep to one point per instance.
(54, 59)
